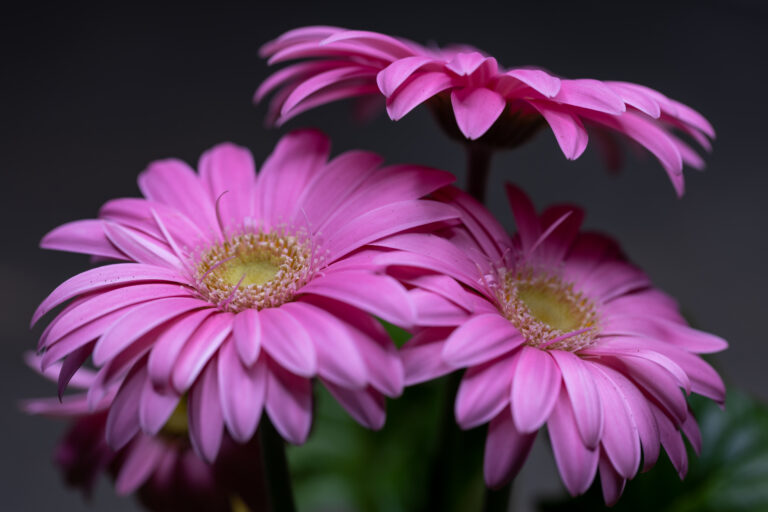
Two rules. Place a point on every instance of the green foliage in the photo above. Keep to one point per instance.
(730, 476)
(344, 467)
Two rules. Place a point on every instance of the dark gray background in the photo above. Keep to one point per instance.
(90, 95)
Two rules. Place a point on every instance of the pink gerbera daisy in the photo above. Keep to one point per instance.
(559, 329)
(239, 290)
(163, 470)
(474, 98)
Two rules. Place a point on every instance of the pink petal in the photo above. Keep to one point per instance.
(620, 436)
(155, 408)
(229, 174)
(388, 187)
(422, 356)
(485, 229)
(476, 109)
(526, 220)
(83, 236)
(338, 91)
(199, 349)
(366, 406)
(672, 441)
(589, 94)
(652, 137)
(644, 419)
(71, 365)
(103, 277)
(322, 195)
(143, 457)
(206, 424)
(141, 215)
(505, 450)
(434, 310)
(242, 392)
(481, 339)
(378, 295)
(691, 430)
(382, 42)
(338, 360)
(393, 76)
(537, 79)
(534, 389)
(672, 332)
(577, 464)
(168, 346)
(415, 92)
(289, 404)
(287, 342)
(79, 337)
(657, 382)
(140, 247)
(583, 393)
(246, 330)
(484, 391)
(105, 302)
(567, 128)
(285, 173)
(174, 183)
(643, 102)
(611, 482)
(123, 418)
(384, 221)
(317, 82)
(429, 252)
(138, 322)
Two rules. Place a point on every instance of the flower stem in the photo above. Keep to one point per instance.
(278, 479)
(478, 169)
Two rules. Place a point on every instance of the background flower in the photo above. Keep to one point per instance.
(563, 332)
(163, 470)
(240, 289)
(476, 99)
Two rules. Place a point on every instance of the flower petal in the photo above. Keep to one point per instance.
(534, 389)
(206, 424)
(505, 450)
(481, 339)
(289, 404)
(582, 391)
(242, 392)
(287, 342)
(476, 109)
(577, 463)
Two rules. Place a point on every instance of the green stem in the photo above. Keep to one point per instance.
(448, 441)
(278, 478)
(478, 169)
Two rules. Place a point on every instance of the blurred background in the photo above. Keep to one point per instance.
(90, 95)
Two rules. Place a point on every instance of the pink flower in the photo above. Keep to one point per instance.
(239, 289)
(476, 99)
(163, 469)
(557, 329)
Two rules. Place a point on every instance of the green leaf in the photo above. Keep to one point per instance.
(730, 476)
(345, 467)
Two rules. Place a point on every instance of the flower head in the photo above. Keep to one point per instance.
(239, 289)
(476, 99)
(163, 470)
(556, 328)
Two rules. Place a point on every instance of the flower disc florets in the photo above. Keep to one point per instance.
(547, 311)
(256, 270)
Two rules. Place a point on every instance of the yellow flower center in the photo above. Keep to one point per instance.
(255, 270)
(177, 424)
(547, 311)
